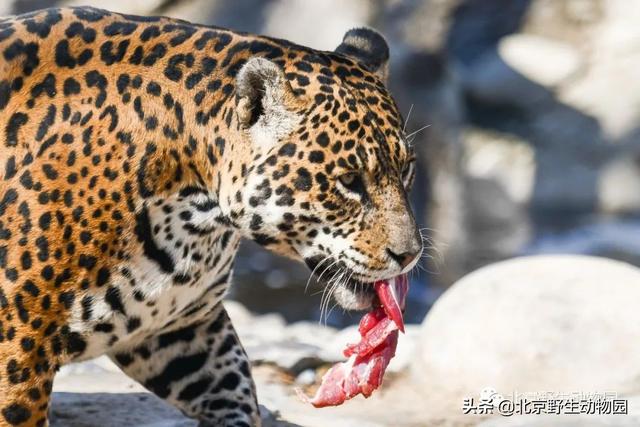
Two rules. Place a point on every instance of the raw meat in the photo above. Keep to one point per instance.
(367, 361)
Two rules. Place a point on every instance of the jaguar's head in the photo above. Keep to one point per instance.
(330, 168)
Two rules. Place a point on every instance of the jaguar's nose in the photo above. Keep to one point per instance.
(405, 258)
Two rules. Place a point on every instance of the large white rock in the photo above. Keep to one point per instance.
(543, 60)
(138, 7)
(300, 21)
(619, 185)
(523, 70)
(607, 87)
(535, 324)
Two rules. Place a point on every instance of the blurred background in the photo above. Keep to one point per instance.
(532, 144)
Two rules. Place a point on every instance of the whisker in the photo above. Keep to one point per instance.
(327, 268)
(329, 298)
(335, 304)
(350, 276)
(320, 278)
(415, 132)
(431, 246)
(344, 280)
(326, 296)
(430, 251)
(407, 119)
(306, 287)
(337, 283)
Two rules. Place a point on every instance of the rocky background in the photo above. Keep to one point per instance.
(532, 147)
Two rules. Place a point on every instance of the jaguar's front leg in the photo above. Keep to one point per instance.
(200, 368)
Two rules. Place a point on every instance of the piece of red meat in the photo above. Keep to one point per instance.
(368, 359)
(372, 339)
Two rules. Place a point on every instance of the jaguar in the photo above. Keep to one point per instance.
(135, 154)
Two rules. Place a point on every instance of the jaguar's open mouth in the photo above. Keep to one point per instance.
(351, 290)
(354, 291)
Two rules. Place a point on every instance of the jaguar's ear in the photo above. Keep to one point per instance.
(369, 48)
(263, 94)
(265, 102)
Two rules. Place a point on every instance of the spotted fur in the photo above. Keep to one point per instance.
(135, 152)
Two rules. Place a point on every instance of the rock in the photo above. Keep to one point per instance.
(310, 333)
(332, 349)
(306, 377)
(5, 9)
(338, 17)
(293, 357)
(618, 186)
(613, 238)
(497, 223)
(294, 348)
(532, 324)
(139, 7)
(239, 315)
(501, 157)
(266, 327)
(129, 409)
(500, 173)
(571, 420)
(542, 60)
(490, 79)
(114, 410)
(96, 393)
(562, 421)
(607, 88)
(81, 378)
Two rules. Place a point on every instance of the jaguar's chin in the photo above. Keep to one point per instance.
(355, 295)
(351, 291)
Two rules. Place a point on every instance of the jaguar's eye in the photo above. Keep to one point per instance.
(352, 182)
(347, 179)
(407, 174)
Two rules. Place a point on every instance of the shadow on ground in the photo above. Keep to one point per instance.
(126, 409)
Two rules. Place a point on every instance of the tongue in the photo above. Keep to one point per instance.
(362, 373)
(392, 296)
